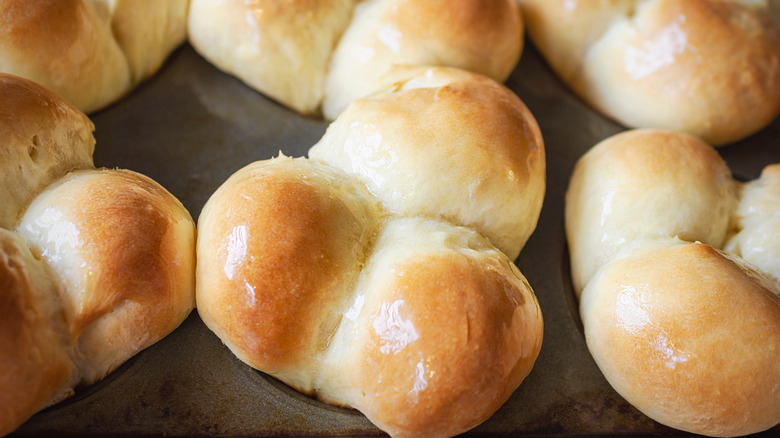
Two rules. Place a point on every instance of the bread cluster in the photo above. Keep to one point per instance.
(91, 52)
(377, 273)
(95, 264)
(710, 68)
(317, 56)
(677, 265)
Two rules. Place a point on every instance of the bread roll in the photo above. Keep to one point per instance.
(91, 52)
(483, 36)
(306, 232)
(645, 184)
(676, 263)
(279, 48)
(121, 249)
(710, 68)
(689, 336)
(440, 330)
(319, 274)
(306, 54)
(43, 138)
(480, 165)
(95, 264)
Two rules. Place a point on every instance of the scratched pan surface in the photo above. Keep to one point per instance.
(190, 127)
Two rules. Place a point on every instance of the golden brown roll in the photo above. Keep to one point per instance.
(91, 52)
(483, 36)
(710, 68)
(316, 56)
(342, 282)
(690, 336)
(489, 158)
(676, 263)
(306, 231)
(95, 264)
(645, 184)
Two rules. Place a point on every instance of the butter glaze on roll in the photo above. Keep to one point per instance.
(710, 68)
(95, 264)
(91, 52)
(316, 57)
(676, 264)
(315, 271)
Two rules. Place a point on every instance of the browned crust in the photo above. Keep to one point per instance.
(303, 245)
(483, 36)
(33, 363)
(43, 138)
(128, 224)
(689, 336)
(478, 332)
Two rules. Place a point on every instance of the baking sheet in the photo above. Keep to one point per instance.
(191, 126)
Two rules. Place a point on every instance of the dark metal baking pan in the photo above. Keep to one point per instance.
(191, 126)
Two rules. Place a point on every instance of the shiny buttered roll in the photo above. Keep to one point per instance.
(676, 266)
(95, 264)
(710, 68)
(316, 57)
(91, 52)
(377, 273)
